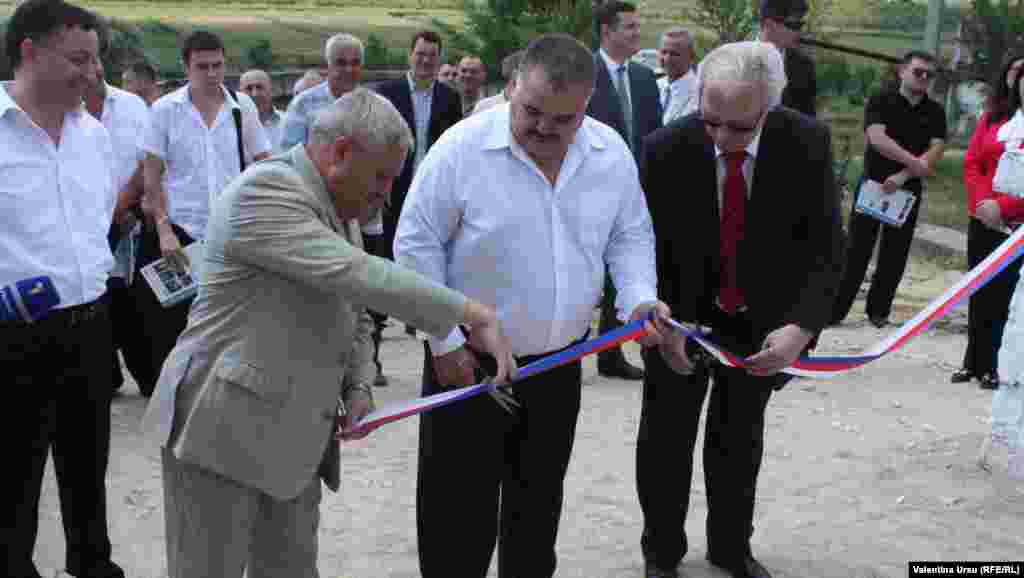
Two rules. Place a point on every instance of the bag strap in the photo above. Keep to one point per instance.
(236, 112)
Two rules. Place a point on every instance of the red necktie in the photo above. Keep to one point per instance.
(734, 198)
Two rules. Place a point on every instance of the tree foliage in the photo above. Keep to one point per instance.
(728, 20)
(993, 30)
(494, 29)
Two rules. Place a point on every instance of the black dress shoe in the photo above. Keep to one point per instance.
(621, 369)
(962, 375)
(652, 571)
(989, 381)
(106, 569)
(746, 567)
(410, 330)
(878, 321)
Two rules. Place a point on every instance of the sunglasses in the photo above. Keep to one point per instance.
(923, 73)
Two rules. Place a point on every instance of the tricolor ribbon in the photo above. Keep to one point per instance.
(807, 366)
(398, 410)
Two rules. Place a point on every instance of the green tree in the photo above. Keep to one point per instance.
(993, 29)
(5, 66)
(728, 20)
(496, 28)
(259, 54)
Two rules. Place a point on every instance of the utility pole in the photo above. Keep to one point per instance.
(933, 28)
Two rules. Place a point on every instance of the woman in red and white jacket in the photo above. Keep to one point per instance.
(990, 214)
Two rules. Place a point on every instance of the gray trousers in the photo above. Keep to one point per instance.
(218, 527)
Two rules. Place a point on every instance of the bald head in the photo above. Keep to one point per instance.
(256, 83)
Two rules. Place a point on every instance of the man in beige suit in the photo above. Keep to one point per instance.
(247, 405)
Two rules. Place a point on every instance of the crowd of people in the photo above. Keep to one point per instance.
(493, 224)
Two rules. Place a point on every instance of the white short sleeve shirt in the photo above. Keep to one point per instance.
(200, 160)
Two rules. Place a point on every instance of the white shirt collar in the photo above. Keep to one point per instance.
(183, 96)
(1012, 130)
(683, 80)
(7, 102)
(611, 64)
(412, 84)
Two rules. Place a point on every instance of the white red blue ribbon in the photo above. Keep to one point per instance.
(399, 410)
(806, 366)
(828, 366)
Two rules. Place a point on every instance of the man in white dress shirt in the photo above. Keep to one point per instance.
(519, 206)
(126, 118)
(57, 199)
(509, 69)
(678, 88)
(256, 83)
(192, 152)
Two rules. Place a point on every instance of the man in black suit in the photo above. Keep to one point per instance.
(430, 107)
(743, 200)
(781, 23)
(626, 97)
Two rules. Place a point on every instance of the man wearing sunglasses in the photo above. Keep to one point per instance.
(747, 245)
(781, 23)
(906, 134)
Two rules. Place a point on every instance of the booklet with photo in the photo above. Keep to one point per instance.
(889, 208)
(170, 285)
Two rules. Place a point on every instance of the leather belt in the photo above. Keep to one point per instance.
(66, 318)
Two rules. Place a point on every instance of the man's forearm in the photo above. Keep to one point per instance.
(889, 148)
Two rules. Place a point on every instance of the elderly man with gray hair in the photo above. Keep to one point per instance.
(749, 247)
(509, 70)
(276, 361)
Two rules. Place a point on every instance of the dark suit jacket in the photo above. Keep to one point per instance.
(445, 110)
(643, 91)
(802, 84)
(788, 259)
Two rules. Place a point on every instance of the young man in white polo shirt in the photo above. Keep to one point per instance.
(56, 204)
(126, 118)
(192, 152)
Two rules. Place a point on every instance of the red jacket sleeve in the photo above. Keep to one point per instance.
(977, 183)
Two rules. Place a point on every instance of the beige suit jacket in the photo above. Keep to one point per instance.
(251, 389)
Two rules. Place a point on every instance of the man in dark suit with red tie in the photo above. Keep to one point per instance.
(743, 201)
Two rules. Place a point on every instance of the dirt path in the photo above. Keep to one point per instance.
(861, 475)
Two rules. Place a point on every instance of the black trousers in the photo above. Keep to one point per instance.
(374, 245)
(158, 327)
(733, 448)
(609, 322)
(989, 308)
(892, 261)
(484, 473)
(61, 373)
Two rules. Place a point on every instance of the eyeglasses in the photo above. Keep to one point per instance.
(733, 127)
(923, 73)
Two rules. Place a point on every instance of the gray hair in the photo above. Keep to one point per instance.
(677, 32)
(364, 116)
(308, 80)
(749, 61)
(564, 60)
(342, 40)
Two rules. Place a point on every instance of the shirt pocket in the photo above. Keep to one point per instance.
(185, 148)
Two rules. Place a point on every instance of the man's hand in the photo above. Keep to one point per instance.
(485, 335)
(171, 249)
(919, 167)
(455, 368)
(895, 182)
(780, 349)
(655, 332)
(673, 350)
(988, 212)
(358, 405)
